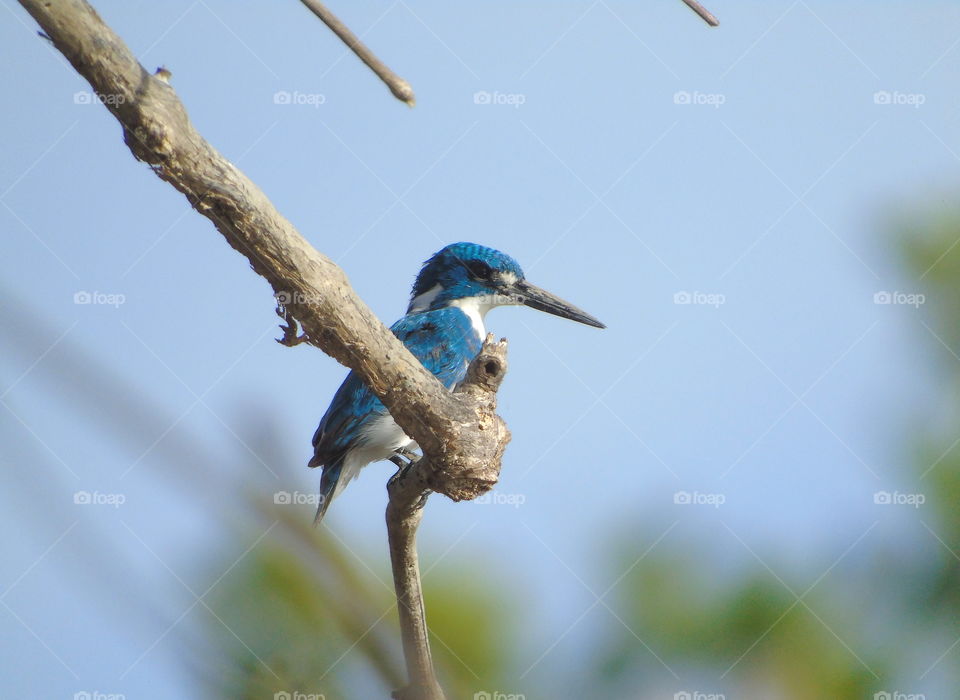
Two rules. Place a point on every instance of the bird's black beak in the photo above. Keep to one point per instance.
(542, 300)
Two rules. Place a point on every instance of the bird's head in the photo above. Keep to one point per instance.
(464, 272)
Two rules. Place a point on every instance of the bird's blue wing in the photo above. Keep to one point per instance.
(443, 340)
(352, 406)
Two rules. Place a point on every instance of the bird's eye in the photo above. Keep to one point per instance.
(479, 269)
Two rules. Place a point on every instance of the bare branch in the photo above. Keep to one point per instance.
(400, 88)
(704, 13)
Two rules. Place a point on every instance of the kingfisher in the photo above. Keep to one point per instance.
(444, 329)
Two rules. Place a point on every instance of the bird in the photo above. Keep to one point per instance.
(444, 329)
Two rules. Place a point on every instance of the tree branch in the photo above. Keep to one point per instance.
(461, 437)
(400, 88)
(704, 13)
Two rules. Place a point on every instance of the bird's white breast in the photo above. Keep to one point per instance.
(381, 437)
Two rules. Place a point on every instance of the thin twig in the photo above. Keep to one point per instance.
(408, 491)
(404, 513)
(704, 13)
(398, 86)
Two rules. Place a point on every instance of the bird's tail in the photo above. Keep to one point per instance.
(328, 486)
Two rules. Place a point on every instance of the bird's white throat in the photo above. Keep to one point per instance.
(476, 309)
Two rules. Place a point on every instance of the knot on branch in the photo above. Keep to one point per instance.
(469, 463)
(486, 372)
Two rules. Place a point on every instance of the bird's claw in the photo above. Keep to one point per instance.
(404, 459)
(290, 337)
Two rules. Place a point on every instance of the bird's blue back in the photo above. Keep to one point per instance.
(444, 340)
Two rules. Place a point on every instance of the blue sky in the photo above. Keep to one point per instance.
(627, 155)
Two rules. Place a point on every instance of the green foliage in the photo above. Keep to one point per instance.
(742, 632)
(300, 614)
(471, 624)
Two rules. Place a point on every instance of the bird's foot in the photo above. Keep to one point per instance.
(290, 337)
(404, 459)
